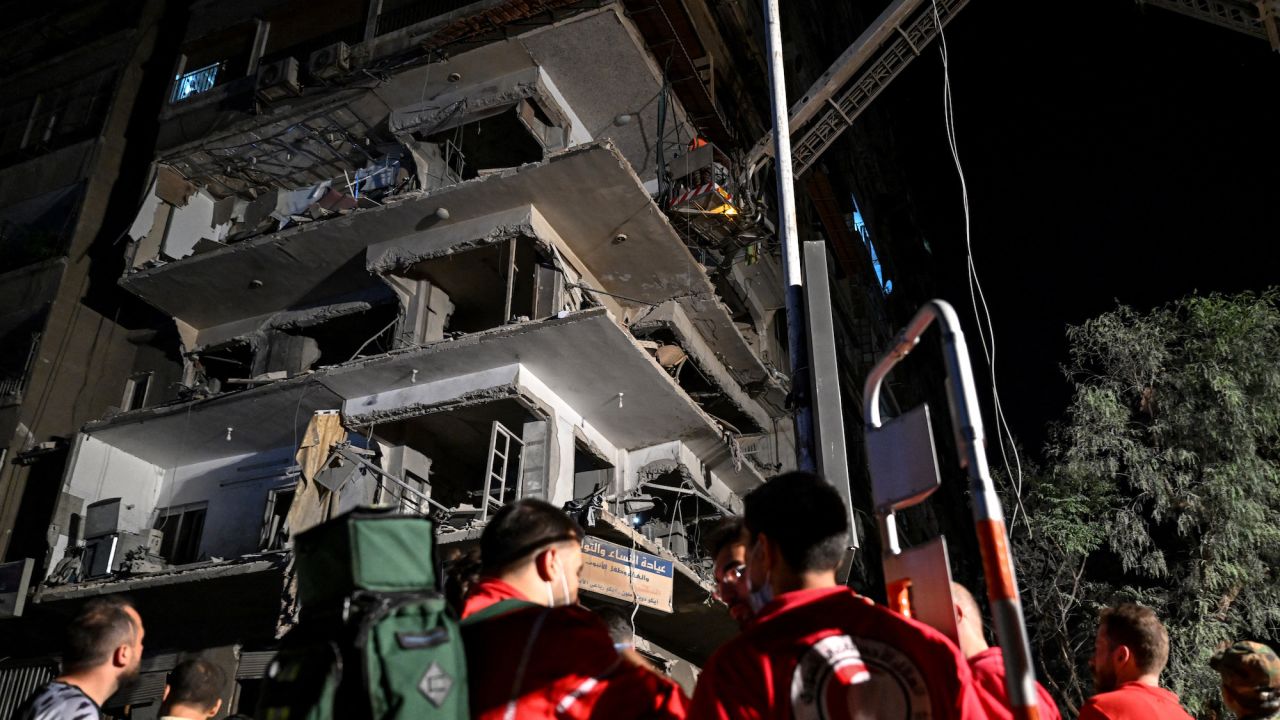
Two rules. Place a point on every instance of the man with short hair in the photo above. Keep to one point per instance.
(1130, 652)
(102, 651)
(193, 691)
(532, 652)
(728, 549)
(530, 551)
(1250, 680)
(816, 648)
(987, 663)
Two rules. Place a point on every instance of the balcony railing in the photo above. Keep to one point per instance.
(196, 82)
(416, 12)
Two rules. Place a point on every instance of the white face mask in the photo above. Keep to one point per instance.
(759, 597)
(564, 585)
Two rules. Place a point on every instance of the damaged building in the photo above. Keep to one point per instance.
(440, 256)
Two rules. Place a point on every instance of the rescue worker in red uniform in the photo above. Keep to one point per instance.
(987, 663)
(532, 652)
(728, 549)
(816, 649)
(1129, 653)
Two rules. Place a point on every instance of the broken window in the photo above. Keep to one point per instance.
(275, 528)
(500, 141)
(224, 367)
(696, 383)
(590, 471)
(135, 391)
(344, 338)
(462, 288)
(452, 456)
(183, 528)
(858, 225)
(682, 512)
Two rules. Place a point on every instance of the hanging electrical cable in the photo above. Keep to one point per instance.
(977, 298)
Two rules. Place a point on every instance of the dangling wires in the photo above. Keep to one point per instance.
(977, 299)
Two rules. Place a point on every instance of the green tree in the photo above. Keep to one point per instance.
(1162, 487)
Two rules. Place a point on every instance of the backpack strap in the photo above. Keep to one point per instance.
(502, 607)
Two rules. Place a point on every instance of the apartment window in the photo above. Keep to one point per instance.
(275, 527)
(183, 527)
(196, 82)
(857, 224)
(135, 391)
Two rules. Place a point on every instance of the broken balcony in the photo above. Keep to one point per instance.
(507, 247)
(189, 483)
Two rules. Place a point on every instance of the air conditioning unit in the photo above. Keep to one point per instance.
(330, 61)
(109, 553)
(102, 518)
(99, 554)
(279, 80)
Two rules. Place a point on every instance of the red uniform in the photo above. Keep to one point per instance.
(988, 679)
(1134, 701)
(829, 653)
(540, 662)
(488, 591)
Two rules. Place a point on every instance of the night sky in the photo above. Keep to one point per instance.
(1113, 152)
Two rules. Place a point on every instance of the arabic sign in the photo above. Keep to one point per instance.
(15, 578)
(615, 570)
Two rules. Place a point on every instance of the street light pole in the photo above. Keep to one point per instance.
(796, 346)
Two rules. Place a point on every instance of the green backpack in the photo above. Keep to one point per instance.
(374, 639)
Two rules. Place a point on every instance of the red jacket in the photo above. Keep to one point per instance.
(488, 591)
(1134, 701)
(827, 652)
(988, 678)
(539, 662)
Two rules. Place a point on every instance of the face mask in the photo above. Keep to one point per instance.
(759, 597)
(564, 584)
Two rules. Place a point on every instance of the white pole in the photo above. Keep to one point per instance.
(796, 346)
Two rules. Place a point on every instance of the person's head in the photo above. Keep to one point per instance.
(194, 690)
(536, 547)
(969, 627)
(461, 572)
(797, 532)
(1250, 679)
(728, 549)
(1132, 644)
(104, 637)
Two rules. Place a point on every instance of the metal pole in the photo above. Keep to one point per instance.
(988, 515)
(790, 239)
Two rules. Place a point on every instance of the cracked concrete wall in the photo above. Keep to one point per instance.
(380, 407)
(677, 453)
(671, 316)
(402, 253)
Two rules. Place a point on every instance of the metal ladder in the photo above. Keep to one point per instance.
(498, 466)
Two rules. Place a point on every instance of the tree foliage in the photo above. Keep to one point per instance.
(1162, 487)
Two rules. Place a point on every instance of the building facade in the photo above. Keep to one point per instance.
(435, 255)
